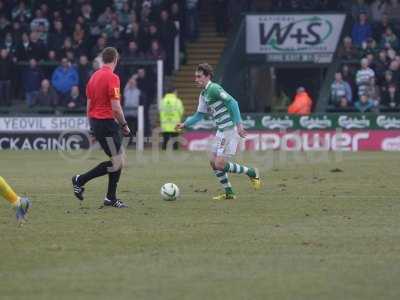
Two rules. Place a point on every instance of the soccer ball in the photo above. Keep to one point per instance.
(169, 191)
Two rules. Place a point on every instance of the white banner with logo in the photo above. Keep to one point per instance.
(294, 38)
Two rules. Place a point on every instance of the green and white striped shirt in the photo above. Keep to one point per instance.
(213, 100)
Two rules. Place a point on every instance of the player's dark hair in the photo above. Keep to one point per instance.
(206, 68)
(109, 55)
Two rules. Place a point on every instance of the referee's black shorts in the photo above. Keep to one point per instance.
(108, 134)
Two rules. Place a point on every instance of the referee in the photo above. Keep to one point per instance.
(106, 122)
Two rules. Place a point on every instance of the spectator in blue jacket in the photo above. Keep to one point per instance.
(64, 78)
(365, 104)
(361, 30)
(32, 77)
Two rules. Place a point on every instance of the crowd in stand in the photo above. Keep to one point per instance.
(369, 78)
(48, 48)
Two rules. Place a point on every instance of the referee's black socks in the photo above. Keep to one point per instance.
(100, 170)
(113, 179)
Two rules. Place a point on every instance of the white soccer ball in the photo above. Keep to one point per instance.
(169, 191)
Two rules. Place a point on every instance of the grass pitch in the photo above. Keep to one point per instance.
(324, 226)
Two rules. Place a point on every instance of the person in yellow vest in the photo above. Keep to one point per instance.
(21, 204)
(171, 113)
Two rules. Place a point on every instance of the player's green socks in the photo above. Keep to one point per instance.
(239, 169)
(223, 179)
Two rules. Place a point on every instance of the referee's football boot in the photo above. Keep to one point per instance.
(114, 203)
(78, 189)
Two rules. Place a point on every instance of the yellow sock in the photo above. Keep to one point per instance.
(8, 193)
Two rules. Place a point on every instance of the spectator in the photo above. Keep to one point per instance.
(74, 99)
(347, 50)
(6, 75)
(39, 20)
(32, 77)
(106, 17)
(387, 81)
(84, 73)
(302, 103)
(132, 100)
(21, 11)
(145, 13)
(363, 77)
(131, 52)
(391, 98)
(5, 25)
(99, 47)
(168, 32)
(381, 26)
(4, 8)
(64, 78)
(361, 30)
(96, 64)
(177, 15)
(171, 113)
(124, 14)
(394, 67)
(192, 20)
(374, 92)
(37, 46)
(78, 36)
(365, 104)
(377, 8)
(114, 29)
(133, 32)
(393, 10)
(17, 31)
(86, 13)
(24, 48)
(381, 65)
(47, 96)
(221, 17)
(369, 47)
(147, 88)
(10, 45)
(341, 94)
(389, 39)
(57, 35)
(153, 34)
(348, 76)
(155, 52)
(52, 58)
(66, 47)
(358, 8)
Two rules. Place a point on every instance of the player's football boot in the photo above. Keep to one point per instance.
(22, 209)
(114, 203)
(225, 196)
(78, 189)
(255, 181)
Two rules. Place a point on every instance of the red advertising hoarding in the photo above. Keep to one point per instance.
(305, 140)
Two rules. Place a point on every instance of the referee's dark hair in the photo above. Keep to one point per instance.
(206, 68)
(109, 55)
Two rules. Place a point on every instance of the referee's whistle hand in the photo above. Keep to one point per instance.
(126, 131)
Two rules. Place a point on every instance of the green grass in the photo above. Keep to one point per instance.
(310, 233)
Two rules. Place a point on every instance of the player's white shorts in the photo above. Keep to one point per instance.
(226, 142)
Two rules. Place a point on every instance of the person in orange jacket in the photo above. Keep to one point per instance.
(302, 103)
